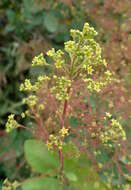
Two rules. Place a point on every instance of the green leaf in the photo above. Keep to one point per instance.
(51, 22)
(38, 156)
(89, 176)
(70, 153)
(31, 6)
(79, 171)
(41, 184)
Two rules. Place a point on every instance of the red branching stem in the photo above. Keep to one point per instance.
(40, 125)
(61, 159)
(64, 110)
(64, 113)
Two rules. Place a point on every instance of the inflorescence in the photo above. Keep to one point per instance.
(84, 63)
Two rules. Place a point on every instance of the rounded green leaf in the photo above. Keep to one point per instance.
(38, 156)
(51, 22)
(42, 184)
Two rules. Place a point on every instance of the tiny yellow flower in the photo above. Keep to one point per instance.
(63, 132)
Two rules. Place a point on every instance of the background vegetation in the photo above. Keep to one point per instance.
(28, 28)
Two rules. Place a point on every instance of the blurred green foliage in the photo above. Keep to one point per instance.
(75, 169)
(28, 27)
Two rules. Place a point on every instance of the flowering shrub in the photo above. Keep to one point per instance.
(60, 153)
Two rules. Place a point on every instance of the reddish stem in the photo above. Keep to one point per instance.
(40, 125)
(64, 110)
(61, 159)
(64, 113)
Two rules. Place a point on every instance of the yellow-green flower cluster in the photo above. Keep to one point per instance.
(113, 133)
(57, 57)
(70, 46)
(41, 107)
(92, 53)
(76, 34)
(60, 87)
(31, 101)
(88, 68)
(108, 115)
(11, 123)
(40, 81)
(27, 86)
(63, 132)
(23, 115)
(54, 142)
(85, 47)
(7, 185)
(108, 75)
(85, 53)
(87, 32)
(57, 141)
(94, 86)
(39, 60)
